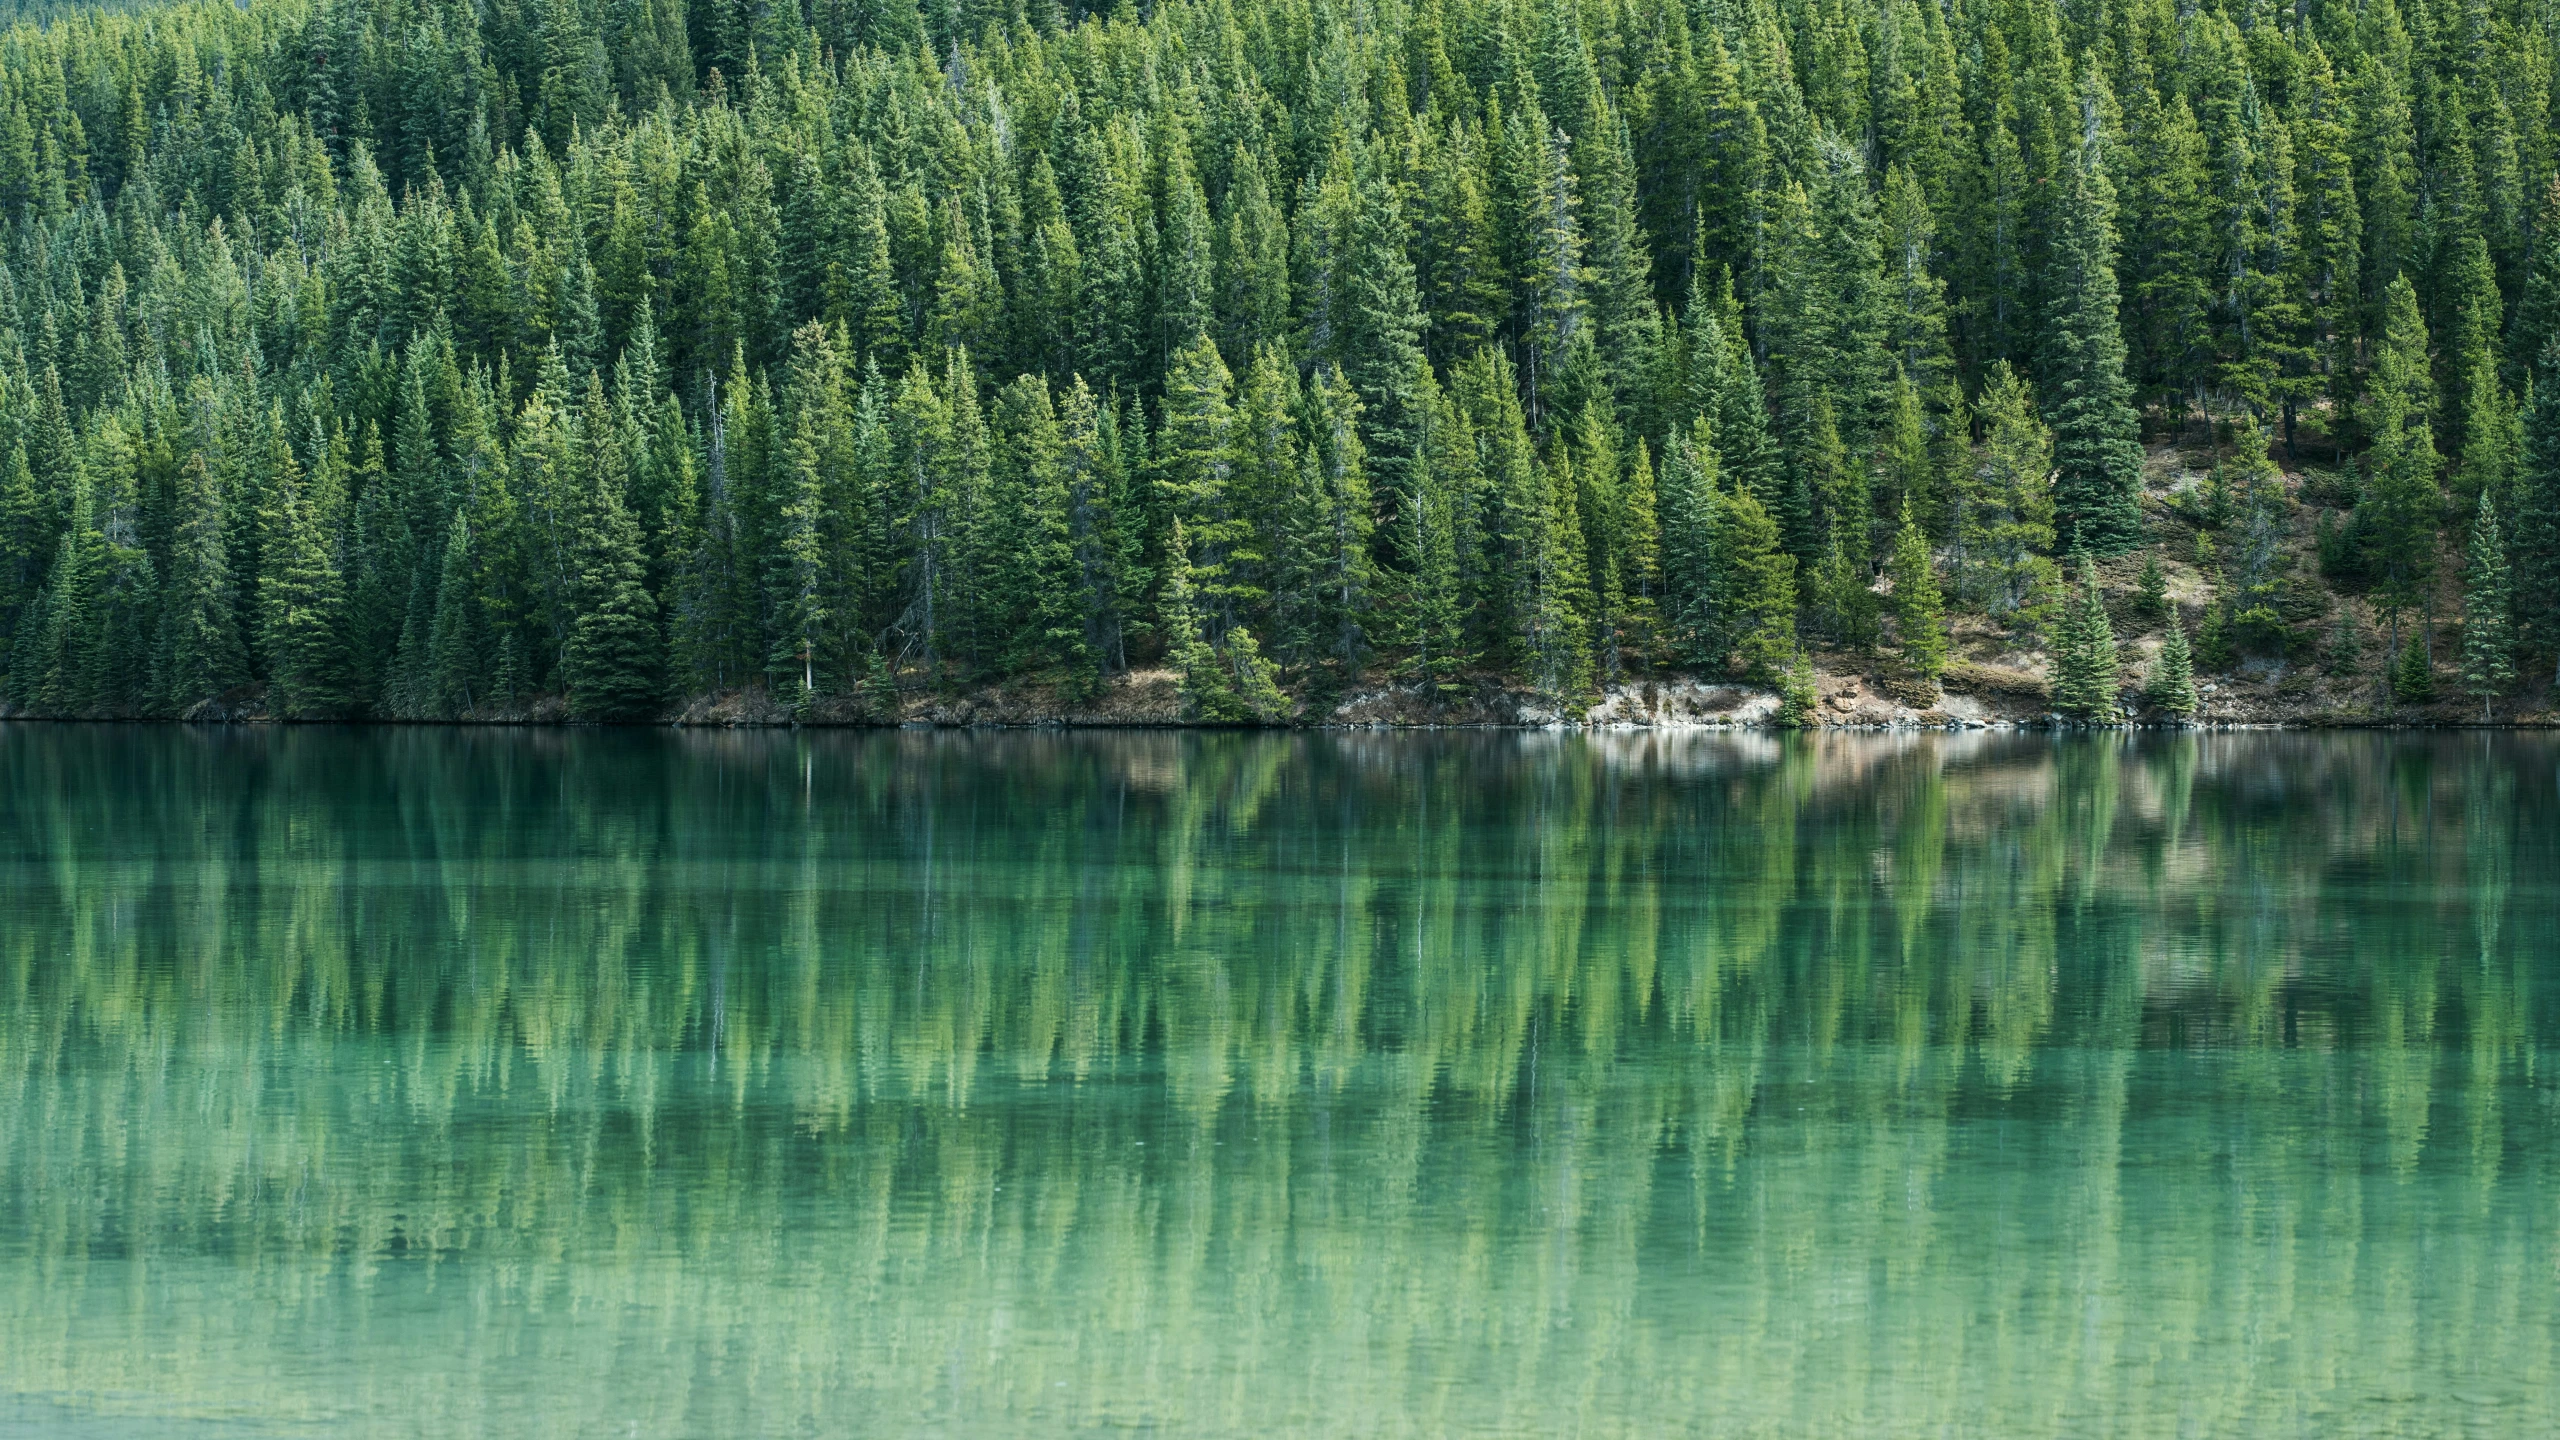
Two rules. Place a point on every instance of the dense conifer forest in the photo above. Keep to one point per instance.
(439, 359)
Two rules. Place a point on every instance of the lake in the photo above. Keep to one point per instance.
(557, 1083)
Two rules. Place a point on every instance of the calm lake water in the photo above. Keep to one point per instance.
(446, 1083)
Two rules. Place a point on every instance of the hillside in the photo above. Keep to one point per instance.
(625, 359)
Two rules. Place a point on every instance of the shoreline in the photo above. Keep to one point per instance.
(2048, 725)
(1973, 699)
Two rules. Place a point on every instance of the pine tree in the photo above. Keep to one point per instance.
(2173, 680)
(2097, 449)
(381, 558)
(1435, 607)
(1381, 354)
(1757, 578)
(1206, 693)
(1463, 285)
(1041, 594)
(1692, 585)
(1797, 694)
(117, 651)
(2345, 649)
(2326, 262)
(2167, 268)
(2151, 591)
(2492, 439)
(1268, 490)
(615, 660)
(199, 653)
(2488, 648)
(1916, 307)
(2534, 539)
(799, 582)
(2259, 562)
(1111, 310)
(453, 666)
(1844, 607)
(2462, 285)
(810, 248)
(866, 298)
(49, 669)
(1907, 468)
(2381, 148)
(581, 328)
(1555, 608)
(2397, 516)
(1919, 610)
(922, 441)
(303, 602)
(1185, 266)
(1195, 461)
(1725, 389)
(681, 551)
(1821, 320)
(2084, 661)
(973, 563)
(2413, 677)
(1102, 529)
(1592, 444)
(2005, 523)
(1637, 535)
(1342, 518)
(966, 295)
(1545, 247)
(2214, 649)
(2537, 318)
(1238, 686)
(25, 543)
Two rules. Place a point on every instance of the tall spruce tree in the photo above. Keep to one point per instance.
(2397, 517)
(303, 604)
(2097, 445)
(1919, 610)
(24, 547)
(1039, 592)
(800, 583)
(50, 669)
(2534, 537)
(199, 655)
(1756, 613)
(2005, 525)
(1692, 584)
(615, 660)
(454, 660)
(1442, 541)
(2488, 647)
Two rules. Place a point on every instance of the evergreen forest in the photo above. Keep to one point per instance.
(455, 359)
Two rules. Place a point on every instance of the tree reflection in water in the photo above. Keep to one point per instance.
(550, 1083)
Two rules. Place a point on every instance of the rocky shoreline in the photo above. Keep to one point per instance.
(1973, 697)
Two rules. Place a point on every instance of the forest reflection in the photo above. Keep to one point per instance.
(1514, 1082)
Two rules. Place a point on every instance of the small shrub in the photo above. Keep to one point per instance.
(2414, 678)
(1797, 694)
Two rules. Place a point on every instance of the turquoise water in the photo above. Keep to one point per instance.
(441, 1083)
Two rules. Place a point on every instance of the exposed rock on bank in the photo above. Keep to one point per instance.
(1974, 694)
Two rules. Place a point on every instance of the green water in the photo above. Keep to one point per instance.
(529, 1084)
